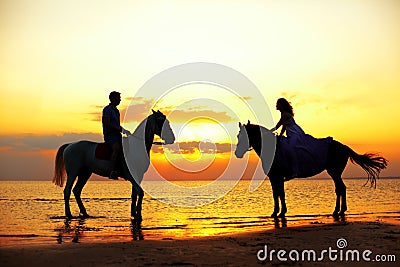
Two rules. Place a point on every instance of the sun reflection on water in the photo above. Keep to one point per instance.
(32, 212)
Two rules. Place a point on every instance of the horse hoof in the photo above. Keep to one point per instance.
(136, 220)
(84, 215)
(281, 215)
(274, 215)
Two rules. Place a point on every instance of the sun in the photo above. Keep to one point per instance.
(203, 129)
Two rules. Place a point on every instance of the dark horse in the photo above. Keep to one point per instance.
(79, 160)
(257, 137)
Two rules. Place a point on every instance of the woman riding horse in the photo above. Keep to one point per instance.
(293, 131)
(332, 156)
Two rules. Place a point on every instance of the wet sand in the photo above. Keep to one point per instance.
(235, 250)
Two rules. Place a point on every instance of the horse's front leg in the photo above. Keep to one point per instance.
(275, 195)
(282, 197)
(139, 205)
(134, 200)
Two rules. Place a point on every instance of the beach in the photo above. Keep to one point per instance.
(381, 238)
(232, 231)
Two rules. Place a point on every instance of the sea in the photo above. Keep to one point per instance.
(32, 212)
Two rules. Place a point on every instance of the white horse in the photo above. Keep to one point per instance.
(79, 160)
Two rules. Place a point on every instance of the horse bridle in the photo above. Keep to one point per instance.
(143, 139)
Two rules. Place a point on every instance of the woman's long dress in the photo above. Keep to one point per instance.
(306, 155)
(296, 136)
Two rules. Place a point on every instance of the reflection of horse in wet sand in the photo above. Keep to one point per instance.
(77, 230)
(79, 160)
(336, 156)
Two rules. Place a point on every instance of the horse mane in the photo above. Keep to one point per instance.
(256, 129)
(256, 132)
(145, 131)
(149, 132)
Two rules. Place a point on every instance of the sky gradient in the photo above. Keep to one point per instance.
(338, 62)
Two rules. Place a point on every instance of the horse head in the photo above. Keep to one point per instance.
(162, 127)
(251, 137)
(243, 144)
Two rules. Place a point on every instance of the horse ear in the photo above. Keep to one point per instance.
(153, 111)
(240, 125)
(248, 122)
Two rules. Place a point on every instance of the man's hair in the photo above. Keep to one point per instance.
(114, 94)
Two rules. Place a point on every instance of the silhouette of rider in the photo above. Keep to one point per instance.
(112, 130)
(293, 132)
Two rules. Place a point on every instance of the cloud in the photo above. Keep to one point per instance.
(192, 147)
(140, 107)
(246, 98)
(187, 115)
(44, 142)
(95, 115)
(137, 110)
(29, 143)
(326, 98)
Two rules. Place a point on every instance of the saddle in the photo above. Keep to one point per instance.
(103, 151)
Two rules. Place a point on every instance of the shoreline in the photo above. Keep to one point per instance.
(238, 249)
(87, 236)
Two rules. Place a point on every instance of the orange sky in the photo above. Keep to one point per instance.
(338, 62)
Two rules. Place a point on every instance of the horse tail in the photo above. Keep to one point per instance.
(59, 170)
(371, 163)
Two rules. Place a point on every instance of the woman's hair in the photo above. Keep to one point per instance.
(285, 106)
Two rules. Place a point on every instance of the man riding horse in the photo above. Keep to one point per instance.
(112, 130)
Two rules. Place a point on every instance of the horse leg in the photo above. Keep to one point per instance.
(337, 160)
(342, 189)
(136, 206)
(337, 205)
(275, 194)
(336, 179)
(282, 197)
(67, 194)
(134, 200)
(139, 205)
(82, 179)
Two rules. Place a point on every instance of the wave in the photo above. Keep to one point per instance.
(291, 216)
(170, 227)
(61, 199)
(62, 217)
(20, 235)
